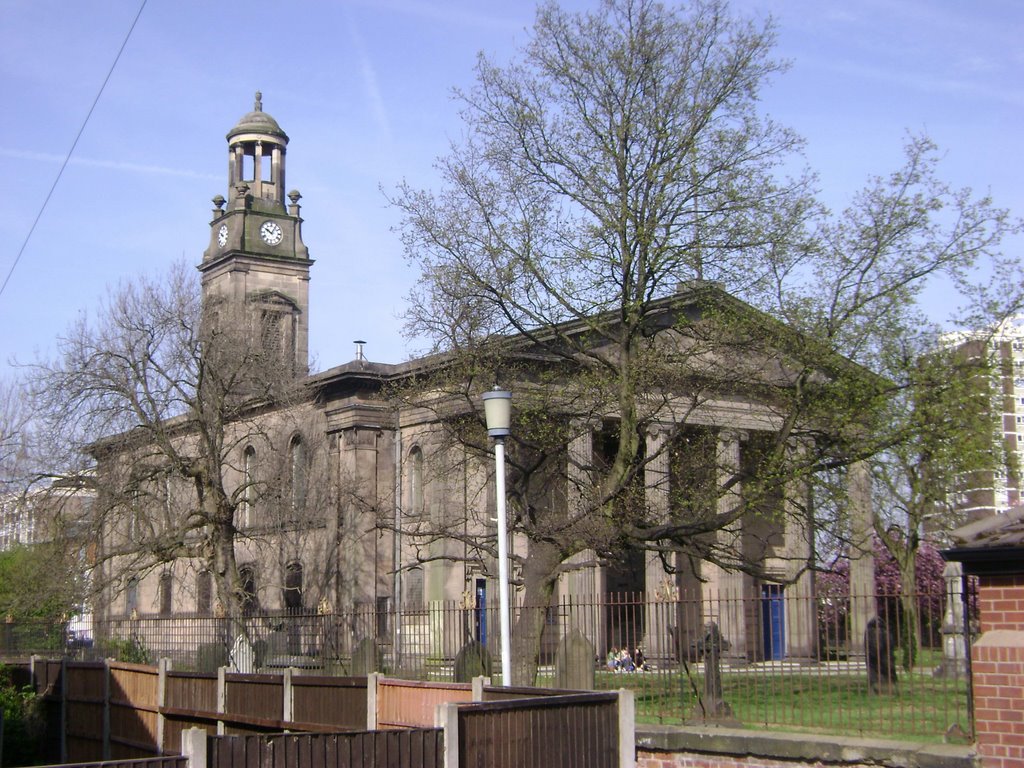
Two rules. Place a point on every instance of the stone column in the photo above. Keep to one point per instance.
(801, 613)
(862, 554)
(726, 604)
(659, 616)
(582, 583)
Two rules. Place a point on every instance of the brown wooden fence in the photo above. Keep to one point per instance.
(412, 748)
(121, 711)
(582, 730)
(110, 710)
(167, 761)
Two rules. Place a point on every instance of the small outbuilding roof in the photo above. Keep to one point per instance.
(992, 545)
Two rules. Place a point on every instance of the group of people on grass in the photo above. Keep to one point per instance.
(619, 660)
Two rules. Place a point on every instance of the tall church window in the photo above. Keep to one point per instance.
(416, 481)
(248, 487)
(297, 475)
(204, 593)
(271, 329)
(131, 596)
(247, 587)
(166, 587)
(414, 587)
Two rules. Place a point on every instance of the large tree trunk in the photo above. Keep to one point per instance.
(540, 570)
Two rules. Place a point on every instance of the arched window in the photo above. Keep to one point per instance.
(204, 593)
(416, 481)
(247, 587)
(293, 586)
(248, 487)
(298, 475)
(164, 592)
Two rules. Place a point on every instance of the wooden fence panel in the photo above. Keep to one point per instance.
(329, 703)
(574, 731)
(253, 703)
(411, 703)
(503, 693)
(418, 748)
(167, 761)
(133, 711)
(190, 701)
(85, 709)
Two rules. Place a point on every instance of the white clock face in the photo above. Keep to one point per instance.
(271, 232)
(222, 235)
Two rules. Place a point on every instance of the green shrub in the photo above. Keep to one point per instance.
(23, 722)
(128, 650)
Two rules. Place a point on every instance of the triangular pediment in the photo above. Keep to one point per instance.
(274, 300)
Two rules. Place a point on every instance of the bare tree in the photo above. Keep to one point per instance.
(621, 155)
(169, 398)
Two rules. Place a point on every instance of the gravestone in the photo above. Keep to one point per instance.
(574, 663)
(366, 657)
(880, 653)
(714, 704)
(472, 660)
(954, 643)
(243, 658)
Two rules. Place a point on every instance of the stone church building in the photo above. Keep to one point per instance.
(366, 472)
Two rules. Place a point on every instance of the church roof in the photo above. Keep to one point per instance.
(258, 121)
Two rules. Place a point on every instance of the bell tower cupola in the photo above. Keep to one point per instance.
(256, 266)
(256, 150)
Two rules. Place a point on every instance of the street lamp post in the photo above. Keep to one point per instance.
(498, 414)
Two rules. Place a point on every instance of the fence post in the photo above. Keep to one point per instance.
(447, 717)
(64, 686)
(222, 698)
(193, 747)
(627, 729)
(478, 687)
(287, 705)
(106, 709)
(163, 666)
(371, 700)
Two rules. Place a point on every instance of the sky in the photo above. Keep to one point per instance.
(363, 90)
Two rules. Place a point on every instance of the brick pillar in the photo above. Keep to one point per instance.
(997, 666)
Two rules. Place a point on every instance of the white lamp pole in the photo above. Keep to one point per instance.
(498, 414)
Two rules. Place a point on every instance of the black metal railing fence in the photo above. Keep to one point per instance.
(862, 664)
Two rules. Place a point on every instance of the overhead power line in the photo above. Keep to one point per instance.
(71, 151)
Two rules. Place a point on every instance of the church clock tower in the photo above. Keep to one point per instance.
(256, 263)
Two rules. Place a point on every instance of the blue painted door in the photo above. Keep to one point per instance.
(773, 622)
(480, 612)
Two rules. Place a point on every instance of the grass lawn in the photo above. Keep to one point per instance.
(818, 698)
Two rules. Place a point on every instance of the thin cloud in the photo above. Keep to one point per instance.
(369, 79)
(114, 165)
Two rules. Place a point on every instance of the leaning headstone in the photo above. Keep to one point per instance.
(472, 660)
(242, 656)
(574, 663)
(366, 657)
(880, 653)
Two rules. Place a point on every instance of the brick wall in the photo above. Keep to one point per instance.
(1001, 602)
(997, 666)
(662, 746)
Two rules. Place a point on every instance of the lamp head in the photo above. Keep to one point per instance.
(498, 411)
